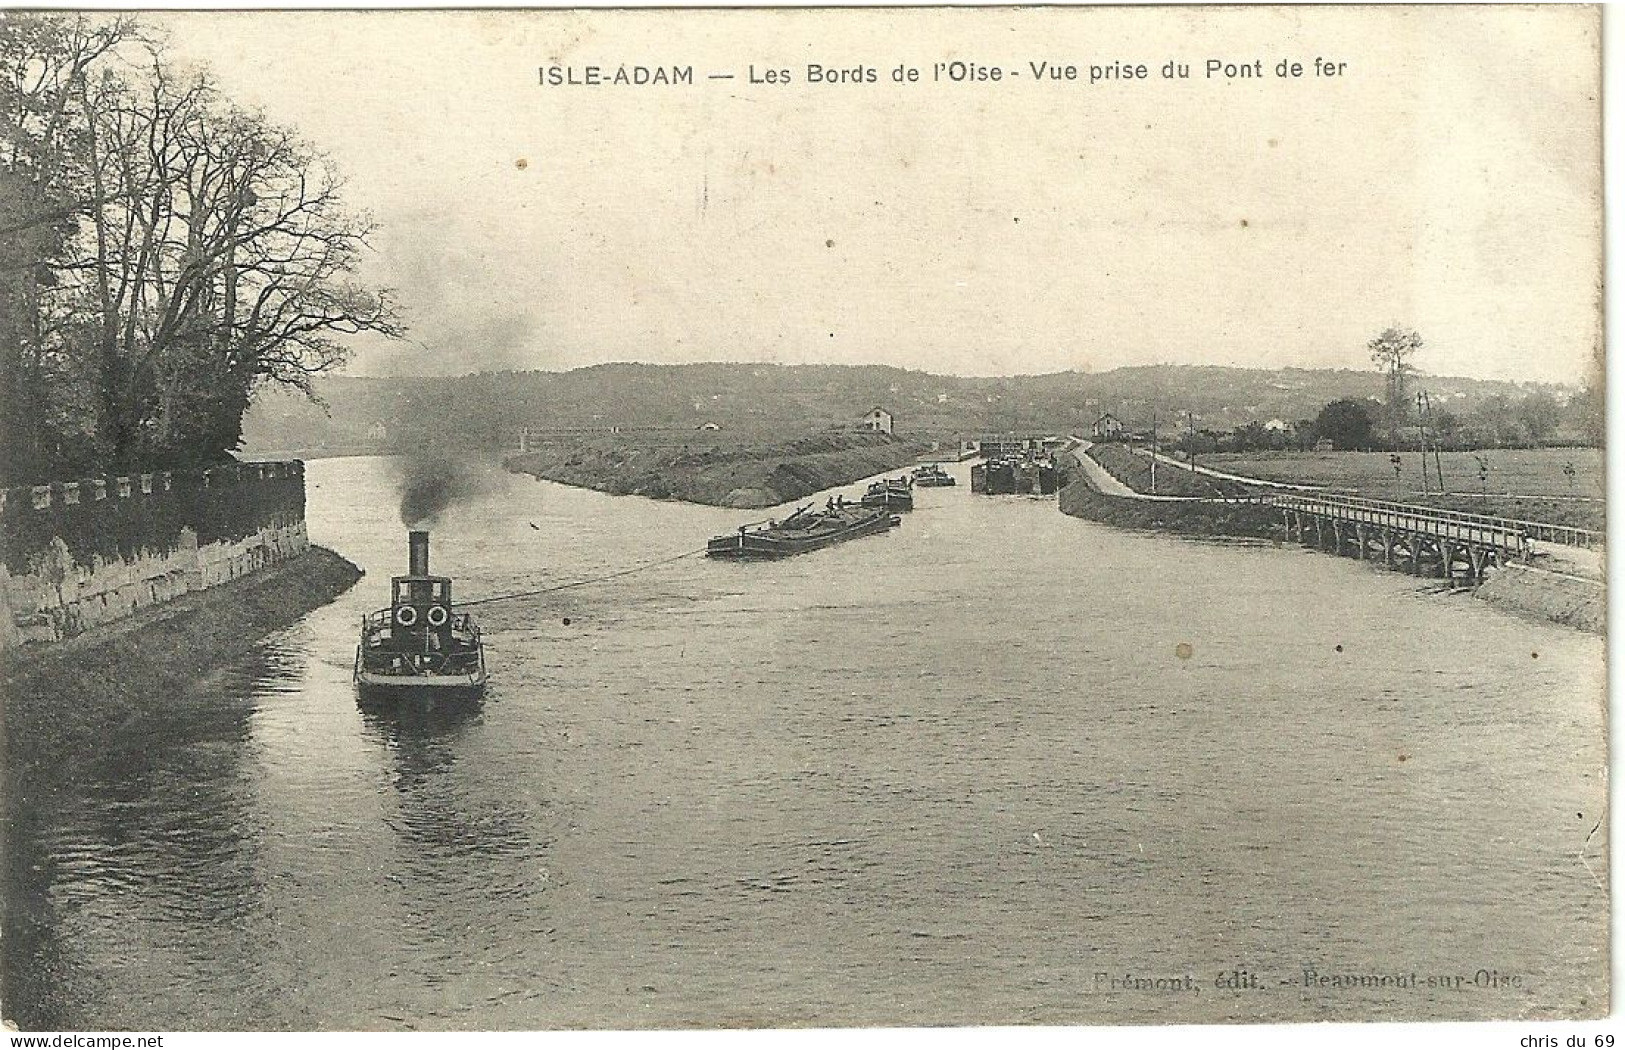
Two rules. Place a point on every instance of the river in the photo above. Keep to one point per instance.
(997, 766)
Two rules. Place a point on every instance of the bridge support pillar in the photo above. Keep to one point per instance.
(1337, 536)
(1359, 538)
(1415, 548)
(1446, 553)
(1388, 547)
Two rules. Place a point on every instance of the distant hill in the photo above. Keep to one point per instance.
(486, 410)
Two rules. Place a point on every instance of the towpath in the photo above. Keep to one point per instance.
(1103, 481)
(1243, 479)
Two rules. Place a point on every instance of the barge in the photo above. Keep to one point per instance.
(890, 494)
(1012, 476)
(805, 530)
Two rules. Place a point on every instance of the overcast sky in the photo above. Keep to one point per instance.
(1448, 181)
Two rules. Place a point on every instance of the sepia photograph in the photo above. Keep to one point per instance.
(802, 518)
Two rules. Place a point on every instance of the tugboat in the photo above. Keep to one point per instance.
(805, 530)
(933, 476)
(891, 494)
(419, 643)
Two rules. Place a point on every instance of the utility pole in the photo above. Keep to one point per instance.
(1422, 428)
(1153, 451)
(1190, 435)
(1438, 467)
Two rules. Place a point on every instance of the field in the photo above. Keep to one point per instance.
(1528, 484)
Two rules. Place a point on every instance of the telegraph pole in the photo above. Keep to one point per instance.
(1438, 467)
(1422, 428)
(1153, 451)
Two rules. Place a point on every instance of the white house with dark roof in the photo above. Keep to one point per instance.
(1107, 426)
(878, 420)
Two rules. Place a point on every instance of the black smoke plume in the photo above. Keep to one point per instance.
(431, 483)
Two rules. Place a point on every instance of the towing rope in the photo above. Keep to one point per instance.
(581, 583)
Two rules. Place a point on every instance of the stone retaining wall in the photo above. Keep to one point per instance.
(77, 554)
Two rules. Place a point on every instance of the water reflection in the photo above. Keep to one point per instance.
(711, 792)
(129, 807)
(409, 721)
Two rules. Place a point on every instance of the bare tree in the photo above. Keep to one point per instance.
(44, 196)
(202, 250)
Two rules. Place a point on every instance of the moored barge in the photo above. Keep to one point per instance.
(933, 476)
(1007, 476)
(890, 494)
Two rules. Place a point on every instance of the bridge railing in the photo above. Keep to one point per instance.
(1567, 535)
(1443, 524)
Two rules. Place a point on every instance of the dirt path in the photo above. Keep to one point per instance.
(1104, 483)
(1222, 475)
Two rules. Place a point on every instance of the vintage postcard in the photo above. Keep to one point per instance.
(785, 518)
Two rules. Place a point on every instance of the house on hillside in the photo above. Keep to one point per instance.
(1106, 427)
(878, 420)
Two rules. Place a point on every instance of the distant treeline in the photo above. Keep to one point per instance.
(162, 253)
(1533, 420)
(488, 410)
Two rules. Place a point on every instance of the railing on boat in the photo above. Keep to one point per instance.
(463, 622)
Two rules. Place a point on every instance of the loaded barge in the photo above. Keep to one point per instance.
(805, 530)
(890, 494)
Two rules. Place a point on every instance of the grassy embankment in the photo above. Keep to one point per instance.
(1527, 484)
(719, 468)
(1135, 471)
(1195, 517)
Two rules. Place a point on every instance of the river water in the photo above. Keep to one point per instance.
(972, 771)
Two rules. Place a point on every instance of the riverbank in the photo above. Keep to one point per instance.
(1187, 517)
(149, 657)
(1566, 598)
(1110, 489)
(1557, 597)
(718, 471)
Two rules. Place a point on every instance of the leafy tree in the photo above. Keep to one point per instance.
(1391, 352)
(1495, 423)
(1447, 428)
(1587, 416)
(1539, 414)
(1346, 423)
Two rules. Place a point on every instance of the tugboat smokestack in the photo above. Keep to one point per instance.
(419, 551)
